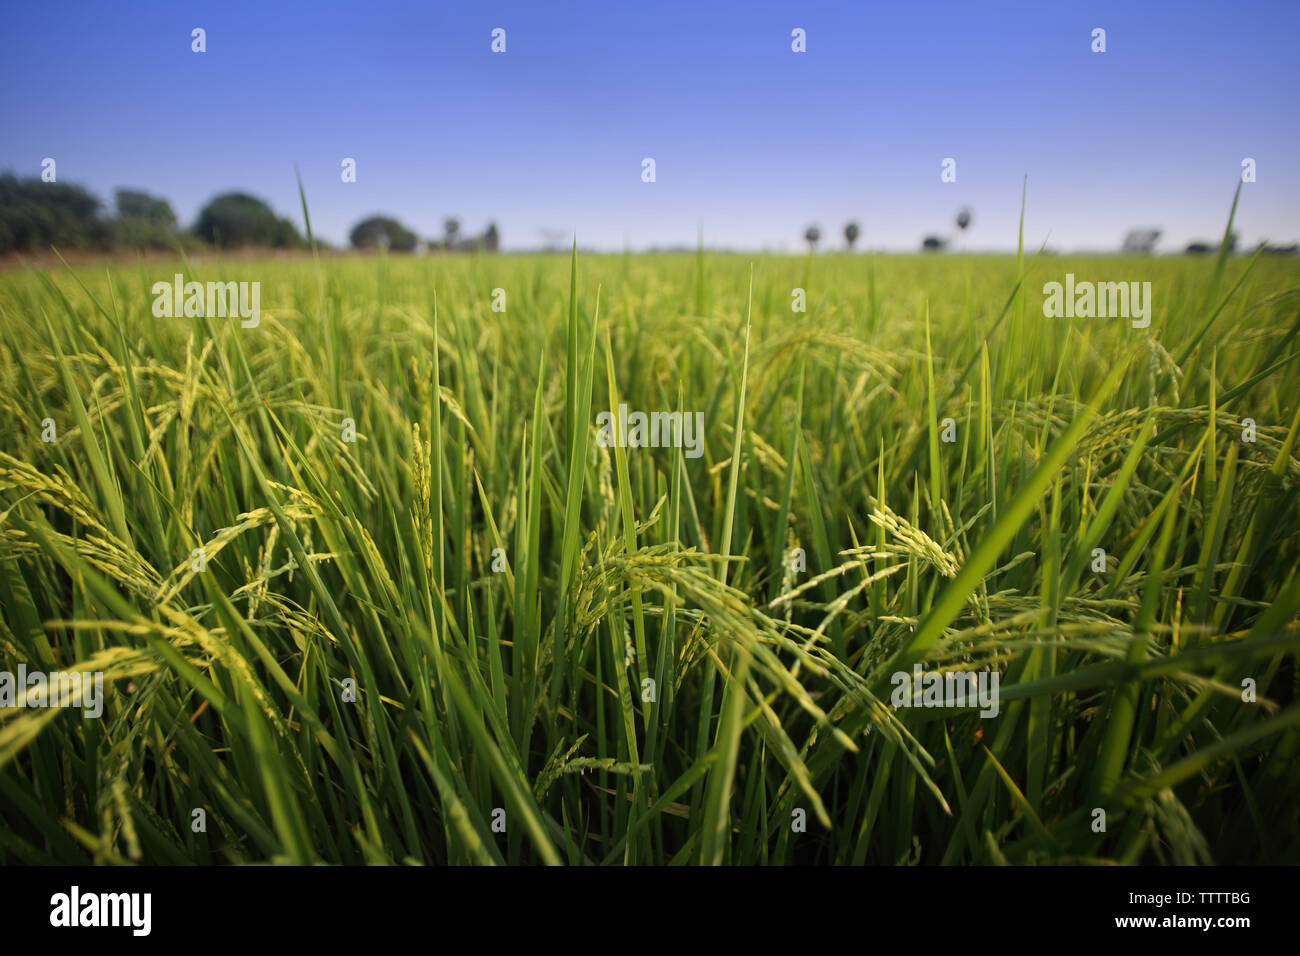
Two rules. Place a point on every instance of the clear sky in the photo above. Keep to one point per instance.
(751, 140)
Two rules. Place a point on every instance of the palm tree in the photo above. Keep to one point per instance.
(851, 233)
(812, 235)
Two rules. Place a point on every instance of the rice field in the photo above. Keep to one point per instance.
(369, 584)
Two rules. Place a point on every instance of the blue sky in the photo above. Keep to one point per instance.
(751, 140)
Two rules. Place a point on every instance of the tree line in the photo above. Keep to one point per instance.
(35, 215)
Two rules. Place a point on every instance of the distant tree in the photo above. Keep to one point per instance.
(35, 215)
(1200, 247)
(963, 219)
(451, 227)
(143, 220)
(382, 231)
(238, 219)
(933, 244)
(812, 234)
(552, 239)
(1270, 249)
(137, 204)
(491, 238)
(851, 233)
(1141, 241)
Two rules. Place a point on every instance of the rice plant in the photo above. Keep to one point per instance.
(368, 584)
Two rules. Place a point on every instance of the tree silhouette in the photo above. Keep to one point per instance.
(134, 204)
(851, 233)
(451, 226)
(382, 231)
(812, 235)
(143, 221)
(1141, 241)
(35, 215)
(238, 219)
